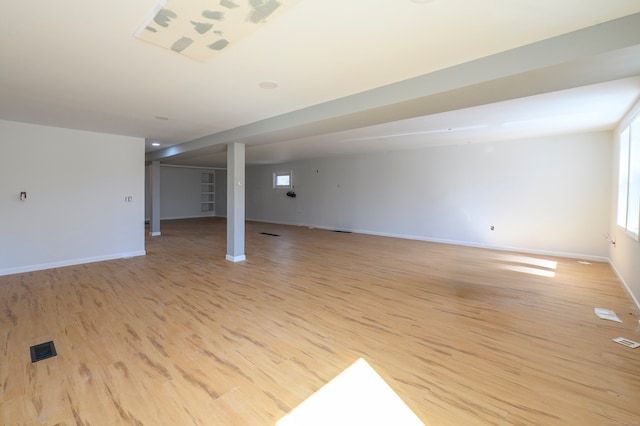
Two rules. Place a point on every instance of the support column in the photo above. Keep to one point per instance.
(154, 180)
(235, 202)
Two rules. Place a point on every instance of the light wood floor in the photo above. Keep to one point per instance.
(181, 336)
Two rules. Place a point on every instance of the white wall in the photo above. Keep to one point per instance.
(147, 194)
(179, 192)
(221, 193)
(548, 195)
(625, 255)
(76, 184)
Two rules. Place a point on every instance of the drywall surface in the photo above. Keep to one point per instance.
(548, 195)
(221, 193)
(180, 193)
(147, 194)
(625, 259)
(77, 208)
(625, 254)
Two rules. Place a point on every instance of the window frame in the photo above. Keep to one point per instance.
(630, 127)
(288, 173)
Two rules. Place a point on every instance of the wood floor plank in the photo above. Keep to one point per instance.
(181, 336)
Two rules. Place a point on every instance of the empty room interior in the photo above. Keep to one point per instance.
(304, 212)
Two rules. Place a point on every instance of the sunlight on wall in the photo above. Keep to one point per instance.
(357, 396)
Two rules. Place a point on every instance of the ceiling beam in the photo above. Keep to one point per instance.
(596, 54)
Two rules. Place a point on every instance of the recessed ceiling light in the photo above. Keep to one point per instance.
(268, 84)
(162, 117)
(155, 144)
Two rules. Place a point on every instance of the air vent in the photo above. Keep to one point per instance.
(42, 351)
(342, 232)
(271, 235)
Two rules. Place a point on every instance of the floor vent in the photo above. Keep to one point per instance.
(42, 351)
(342, 232)
(271, 235)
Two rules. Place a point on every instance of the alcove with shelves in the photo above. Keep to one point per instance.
(207, 192)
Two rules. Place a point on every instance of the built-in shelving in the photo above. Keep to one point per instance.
(207, 192)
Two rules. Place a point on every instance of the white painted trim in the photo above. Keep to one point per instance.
(187, 217)
(453, 242)
(628, 117)
(283, 173)
(155, 234)
(493, 247)
(236, 258)
(634, 237)
(193, 167)
(71, 262)
(624, 284)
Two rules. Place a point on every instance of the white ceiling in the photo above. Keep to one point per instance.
(352, 76)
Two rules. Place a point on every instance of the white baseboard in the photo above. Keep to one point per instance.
(155, 234)
(187, 217)
(236, 258)
(453, 242)
(71, 262)
(492, 247)
(624, 284)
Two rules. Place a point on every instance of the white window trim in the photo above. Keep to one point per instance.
(283, 173)
(625, 123)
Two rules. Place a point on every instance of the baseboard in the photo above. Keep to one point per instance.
(187, 217)
(624, 284)
(71, 262)
(155, 234)
(552, 253)
(236, 258)
(453, 242)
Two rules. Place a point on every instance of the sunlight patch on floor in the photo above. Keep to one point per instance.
(528, 265)
(357, 396)
(530, 270)
(533, 261)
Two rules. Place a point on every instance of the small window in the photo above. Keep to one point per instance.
(282, 180)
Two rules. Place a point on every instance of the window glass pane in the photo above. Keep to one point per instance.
(283, 180)
(623, 178)
(633, 201)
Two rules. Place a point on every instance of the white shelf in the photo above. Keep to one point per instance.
(207, 192)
